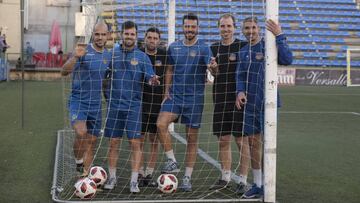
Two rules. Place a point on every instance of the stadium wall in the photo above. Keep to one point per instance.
(10, 23)
(41, 17)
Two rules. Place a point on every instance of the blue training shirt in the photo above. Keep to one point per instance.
(189, 65)
(251, 70)
(88, 74)
(129, 70)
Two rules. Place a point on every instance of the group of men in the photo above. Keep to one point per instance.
(151, 88)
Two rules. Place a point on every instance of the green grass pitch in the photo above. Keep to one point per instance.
(318, 142)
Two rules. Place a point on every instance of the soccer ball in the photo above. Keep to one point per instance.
(98, 175)
(85, 188)
(167, 183)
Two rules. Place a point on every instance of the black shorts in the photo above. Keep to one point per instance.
(228, 122)
(150, 113)
(149, 123)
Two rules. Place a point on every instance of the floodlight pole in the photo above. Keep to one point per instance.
(171, 33)
(22, 61)
(171, 21)
(270, 130)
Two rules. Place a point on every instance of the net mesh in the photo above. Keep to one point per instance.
(207, 169)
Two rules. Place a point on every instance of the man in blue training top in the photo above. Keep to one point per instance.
(190, 58)
(88, 67)
(250, 91)
(130, 68)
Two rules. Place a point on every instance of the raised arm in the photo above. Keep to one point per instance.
(68, 67)
(285, 55)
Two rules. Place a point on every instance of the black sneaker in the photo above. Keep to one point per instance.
(148, 181)
(220, 184)
(80, 168)
(241, 188)
(141, 181)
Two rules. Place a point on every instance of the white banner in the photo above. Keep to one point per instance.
(286, 76)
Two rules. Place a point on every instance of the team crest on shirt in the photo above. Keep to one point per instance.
(158, 63)
(259, 56)
(192, 53)
(134, 61)
(104, 61)
(232, 57)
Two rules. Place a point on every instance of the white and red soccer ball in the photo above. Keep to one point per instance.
(85, 188)
(98, 175)
(167, 183)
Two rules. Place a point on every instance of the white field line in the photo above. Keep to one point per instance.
(204, 155)
(317, 94)
(320, 112)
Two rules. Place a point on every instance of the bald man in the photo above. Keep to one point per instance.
(88, 66)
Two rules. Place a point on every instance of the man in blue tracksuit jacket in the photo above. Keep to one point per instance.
(250, 92)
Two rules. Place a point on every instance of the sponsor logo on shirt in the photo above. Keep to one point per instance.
(134, 61)
(232, 57)
(259, 56)
(158, 63)
(192, 53)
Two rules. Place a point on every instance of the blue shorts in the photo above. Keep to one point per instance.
(92, 117)
(253, 122)
(119, 121)
(190, 112)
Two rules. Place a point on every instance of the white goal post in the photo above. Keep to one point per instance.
(352, 74)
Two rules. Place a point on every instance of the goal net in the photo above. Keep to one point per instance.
(167, 15)
(352, 70)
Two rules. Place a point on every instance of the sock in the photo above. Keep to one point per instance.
(188, 171)
(170, 155)
(257, 177)
(134, 176)
(226, 175)
(112, 172)
(242, 179)
(149, 171)
(141, 171)
(79, 161)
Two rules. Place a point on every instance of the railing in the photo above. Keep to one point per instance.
(37, 60)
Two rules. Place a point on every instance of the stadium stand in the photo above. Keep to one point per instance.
(319, 31)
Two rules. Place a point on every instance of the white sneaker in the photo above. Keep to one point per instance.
(186, 184)
(134, 188)
(110, 184)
